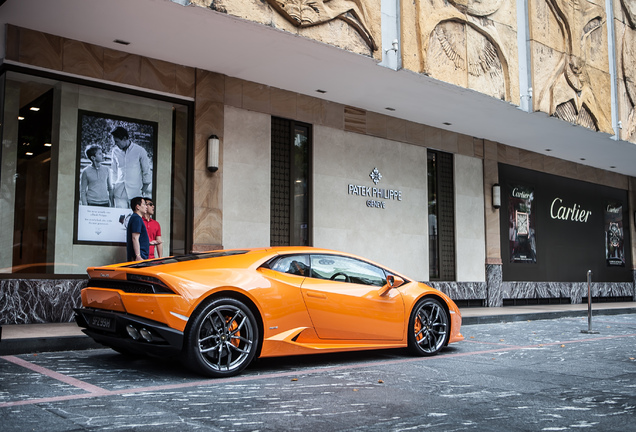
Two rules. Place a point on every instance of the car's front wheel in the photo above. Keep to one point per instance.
(222, 340)
(428, 327)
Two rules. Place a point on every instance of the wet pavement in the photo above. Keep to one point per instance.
(543, 375)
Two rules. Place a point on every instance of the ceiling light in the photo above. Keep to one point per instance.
(34, 109)
(29, 154)
(47, 144)
(321, 91)
(20, 118)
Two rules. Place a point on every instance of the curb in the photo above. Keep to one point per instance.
(83, 342)
(498, 319)
(46, 344)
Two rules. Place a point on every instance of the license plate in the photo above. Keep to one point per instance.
(101, 322)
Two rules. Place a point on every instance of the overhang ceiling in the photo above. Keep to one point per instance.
(206, 39)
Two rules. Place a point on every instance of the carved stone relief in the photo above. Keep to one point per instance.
(626, 55)
(470, 43)
(353, 25)
(570, 63)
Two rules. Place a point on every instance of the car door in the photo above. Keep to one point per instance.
(343, 298)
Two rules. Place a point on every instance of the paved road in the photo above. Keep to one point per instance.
(519, 376)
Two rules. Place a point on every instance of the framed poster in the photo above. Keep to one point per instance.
(523, 248)
(614, 236)
(116, 159)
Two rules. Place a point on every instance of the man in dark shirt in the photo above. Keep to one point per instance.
(137, 240)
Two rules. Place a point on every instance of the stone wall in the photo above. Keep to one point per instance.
(34, 301)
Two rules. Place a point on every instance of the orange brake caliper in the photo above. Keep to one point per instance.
(417, 328)
(233, 327)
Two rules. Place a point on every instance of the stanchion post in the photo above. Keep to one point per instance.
(589, 305)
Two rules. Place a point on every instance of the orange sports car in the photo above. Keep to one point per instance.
(220, 310)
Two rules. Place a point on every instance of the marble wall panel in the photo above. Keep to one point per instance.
(494, 277)
(470, 236)
(157, 75)
(80, 58)
(396, 129)
(355, 120)
(41, 49)
(465, 145)
(575, 291)
(185, 79)
(122, 67)
(283, 103)
(478, 148)
(377, 124)
(25, 301)
(247, 164)
(342, 158)
(462, 290)
(207, 202)
(416, 134)
(61, 54)
(310, 110)
(332, 115)
(256, 97)
(353, 25)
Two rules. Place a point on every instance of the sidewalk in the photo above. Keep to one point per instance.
(33, 338)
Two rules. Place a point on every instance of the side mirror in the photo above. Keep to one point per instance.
(392, 281)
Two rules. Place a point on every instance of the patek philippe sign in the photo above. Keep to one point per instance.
(555, 229)
(377, 197)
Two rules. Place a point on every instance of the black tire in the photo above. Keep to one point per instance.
(222, 340)
(429, 327)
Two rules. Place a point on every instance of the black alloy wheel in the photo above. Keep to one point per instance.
(429, 327)
(222, 340)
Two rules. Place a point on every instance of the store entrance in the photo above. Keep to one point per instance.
(32, 182)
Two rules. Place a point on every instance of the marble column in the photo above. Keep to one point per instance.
(494, 281)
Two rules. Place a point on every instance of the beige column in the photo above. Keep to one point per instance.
(207, 203)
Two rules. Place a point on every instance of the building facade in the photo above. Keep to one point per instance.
(487, 148)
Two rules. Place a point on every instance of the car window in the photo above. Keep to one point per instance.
(292, 264)
(345, 269)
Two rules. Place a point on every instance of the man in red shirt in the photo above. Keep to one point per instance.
(154, 231)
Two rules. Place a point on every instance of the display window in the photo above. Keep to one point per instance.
(73, 157)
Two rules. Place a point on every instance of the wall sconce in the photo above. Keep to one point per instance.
(496, 195)
(213, 153)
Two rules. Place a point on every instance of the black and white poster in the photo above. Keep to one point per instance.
(115, 163)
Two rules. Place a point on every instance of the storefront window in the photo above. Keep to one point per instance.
(63, 191)
(290, 196)
(441, 216)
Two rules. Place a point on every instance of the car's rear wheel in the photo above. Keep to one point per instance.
(428, 327)
(222, 339)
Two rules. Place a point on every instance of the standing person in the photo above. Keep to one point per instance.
(137, 242)
(130, 168)
(95, 185)
(154, 230)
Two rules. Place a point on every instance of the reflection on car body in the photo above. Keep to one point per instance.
(219, 310)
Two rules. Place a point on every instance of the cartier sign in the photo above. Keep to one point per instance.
(568, 212)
